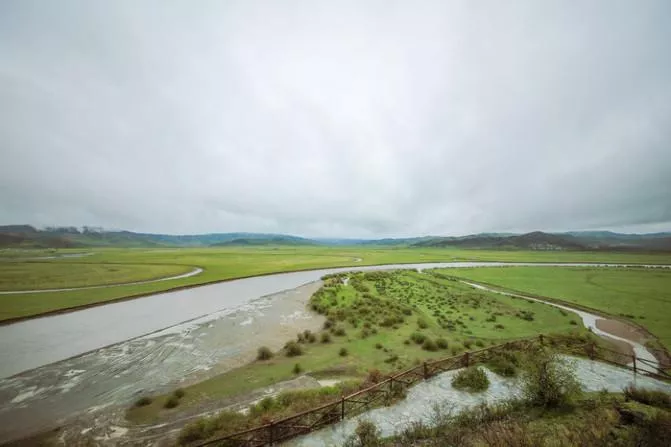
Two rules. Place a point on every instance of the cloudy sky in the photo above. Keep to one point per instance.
(336, 118)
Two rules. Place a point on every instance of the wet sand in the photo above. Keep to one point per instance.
(115, 376)
(621, 329)
(622, 347)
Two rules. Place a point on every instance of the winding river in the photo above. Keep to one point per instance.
(59, 365)
(37, 342)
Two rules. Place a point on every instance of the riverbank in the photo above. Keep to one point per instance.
(103, 381)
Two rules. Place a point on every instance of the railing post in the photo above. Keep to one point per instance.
(426, 371)
(342, 408)
(466, 359)
(271, 439)
(634, 357)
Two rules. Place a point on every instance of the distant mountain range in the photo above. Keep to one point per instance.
(27, 236)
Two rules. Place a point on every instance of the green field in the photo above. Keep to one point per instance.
(389, 321)
(641, 295)
(107, 266)
(42, 275)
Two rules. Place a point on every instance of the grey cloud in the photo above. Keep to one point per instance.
(336, 118)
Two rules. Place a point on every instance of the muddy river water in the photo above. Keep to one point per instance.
(57, 366)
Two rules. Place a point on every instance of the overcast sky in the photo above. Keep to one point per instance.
(339, 118)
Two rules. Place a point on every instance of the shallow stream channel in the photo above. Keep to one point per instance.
(60, 367)
(436, 396)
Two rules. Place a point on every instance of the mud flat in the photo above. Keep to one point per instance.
(115, 376)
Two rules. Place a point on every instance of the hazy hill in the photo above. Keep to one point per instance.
(538, 240)
(64, 237)
(29, 237)
(270, 240)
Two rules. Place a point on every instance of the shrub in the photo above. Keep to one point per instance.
(366, 434)
(194, 432)
(264, 353)
(504, 364)
(418, 337)
(429, 345)
(388, 322)
(374, 376)
(264, 406)
(310, 337)
(526, 315)
(328, 324)
(339, 331)
(441, 343)
(654, 398)
(172, 402)
(378, 345)
(656, 431)
(471, 379)
(499, 326)
(456, 349)
(178, 393)
(143, 401)
(421, 322)
(548, 381)
(293, 349)
(326, 337)
(468, 344)
(479, 343)
(297, 369)
(391, 359)
(343, 352)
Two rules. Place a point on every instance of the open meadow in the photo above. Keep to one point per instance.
(23, 269)
(640, 295)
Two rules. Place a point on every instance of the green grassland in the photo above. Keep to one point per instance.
(41, 275)
(109, 265)
(386, 321)
(641, 295)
